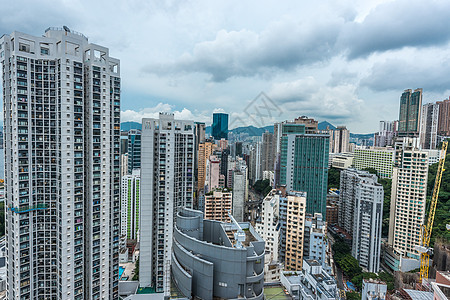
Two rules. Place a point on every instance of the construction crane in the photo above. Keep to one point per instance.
(426, 230)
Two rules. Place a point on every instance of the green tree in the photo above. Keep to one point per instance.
(136, 271)
(262, 187)
(334, 178)
(352, 296)
(442, 215)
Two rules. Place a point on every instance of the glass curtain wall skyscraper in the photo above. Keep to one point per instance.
(304, 165)
(410, 113)
(62, 146)
(220, 126)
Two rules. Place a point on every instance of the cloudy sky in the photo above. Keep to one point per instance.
(346, 62)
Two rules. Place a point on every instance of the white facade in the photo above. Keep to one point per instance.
(129, 208)
(373, 290)
(315, 242)
(62, 129)
(269, 230)
(167, 182)
(408, 197)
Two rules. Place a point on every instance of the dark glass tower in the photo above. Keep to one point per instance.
(410, 111)
(220, 126)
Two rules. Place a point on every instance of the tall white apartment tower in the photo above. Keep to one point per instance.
(408, 197)
(129, 208)
(61, 122)
(167, 182)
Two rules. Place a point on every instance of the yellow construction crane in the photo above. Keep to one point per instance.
(426, 230)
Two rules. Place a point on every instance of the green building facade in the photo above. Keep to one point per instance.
(130, 205)
(304, 165)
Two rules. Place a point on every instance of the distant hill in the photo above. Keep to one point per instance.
(125, 126)
(250, 130)
(323, 125)
(361, 136)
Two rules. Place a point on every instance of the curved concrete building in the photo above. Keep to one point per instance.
(209, 262)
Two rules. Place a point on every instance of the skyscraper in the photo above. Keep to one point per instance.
(130, 199)
(204, 152)
(267, 152)
(429, 126)
(408, 197)
(361, 215)
(295, 224)
(62, 146)
(134, 150)
(339, 140)
(167, 183)
(220, 126)
(304, 165)
(444, 117)
(410, 112)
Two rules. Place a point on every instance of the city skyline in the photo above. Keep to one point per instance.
(173, 55)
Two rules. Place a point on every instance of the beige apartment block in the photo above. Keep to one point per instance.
(408, 198)
(295, 224)
(218, 206)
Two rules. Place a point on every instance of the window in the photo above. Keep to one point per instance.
(45, 51)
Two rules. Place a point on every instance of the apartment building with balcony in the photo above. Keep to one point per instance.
(62, 146)
(218, 205)
(408, 197)
(167, 183)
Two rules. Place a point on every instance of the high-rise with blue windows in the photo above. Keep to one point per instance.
(134, 150)
(220, 126)
(304, 164)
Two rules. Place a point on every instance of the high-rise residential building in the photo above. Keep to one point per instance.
(410, 113)
(204, 152)
(295, 223)
(239, 194)
(218, 205)
(219, 126)
(386, 134)
(129, 208)
(213, 174)
(199, 129)
(268, 227)
(304, 165)
(408, 197)
(444, 117)
(62, 146)
(223, 144)
(361, 215)
(123, 142)
(339, 139)
(315, 238)
(168, 183)
(378, 158)
(267, 152)
(216, 260)
(255, 171)
(429, 126)
(134, 150)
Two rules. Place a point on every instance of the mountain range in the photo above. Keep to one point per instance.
(251, 130)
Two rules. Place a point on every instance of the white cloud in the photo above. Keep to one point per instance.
(153, 112)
